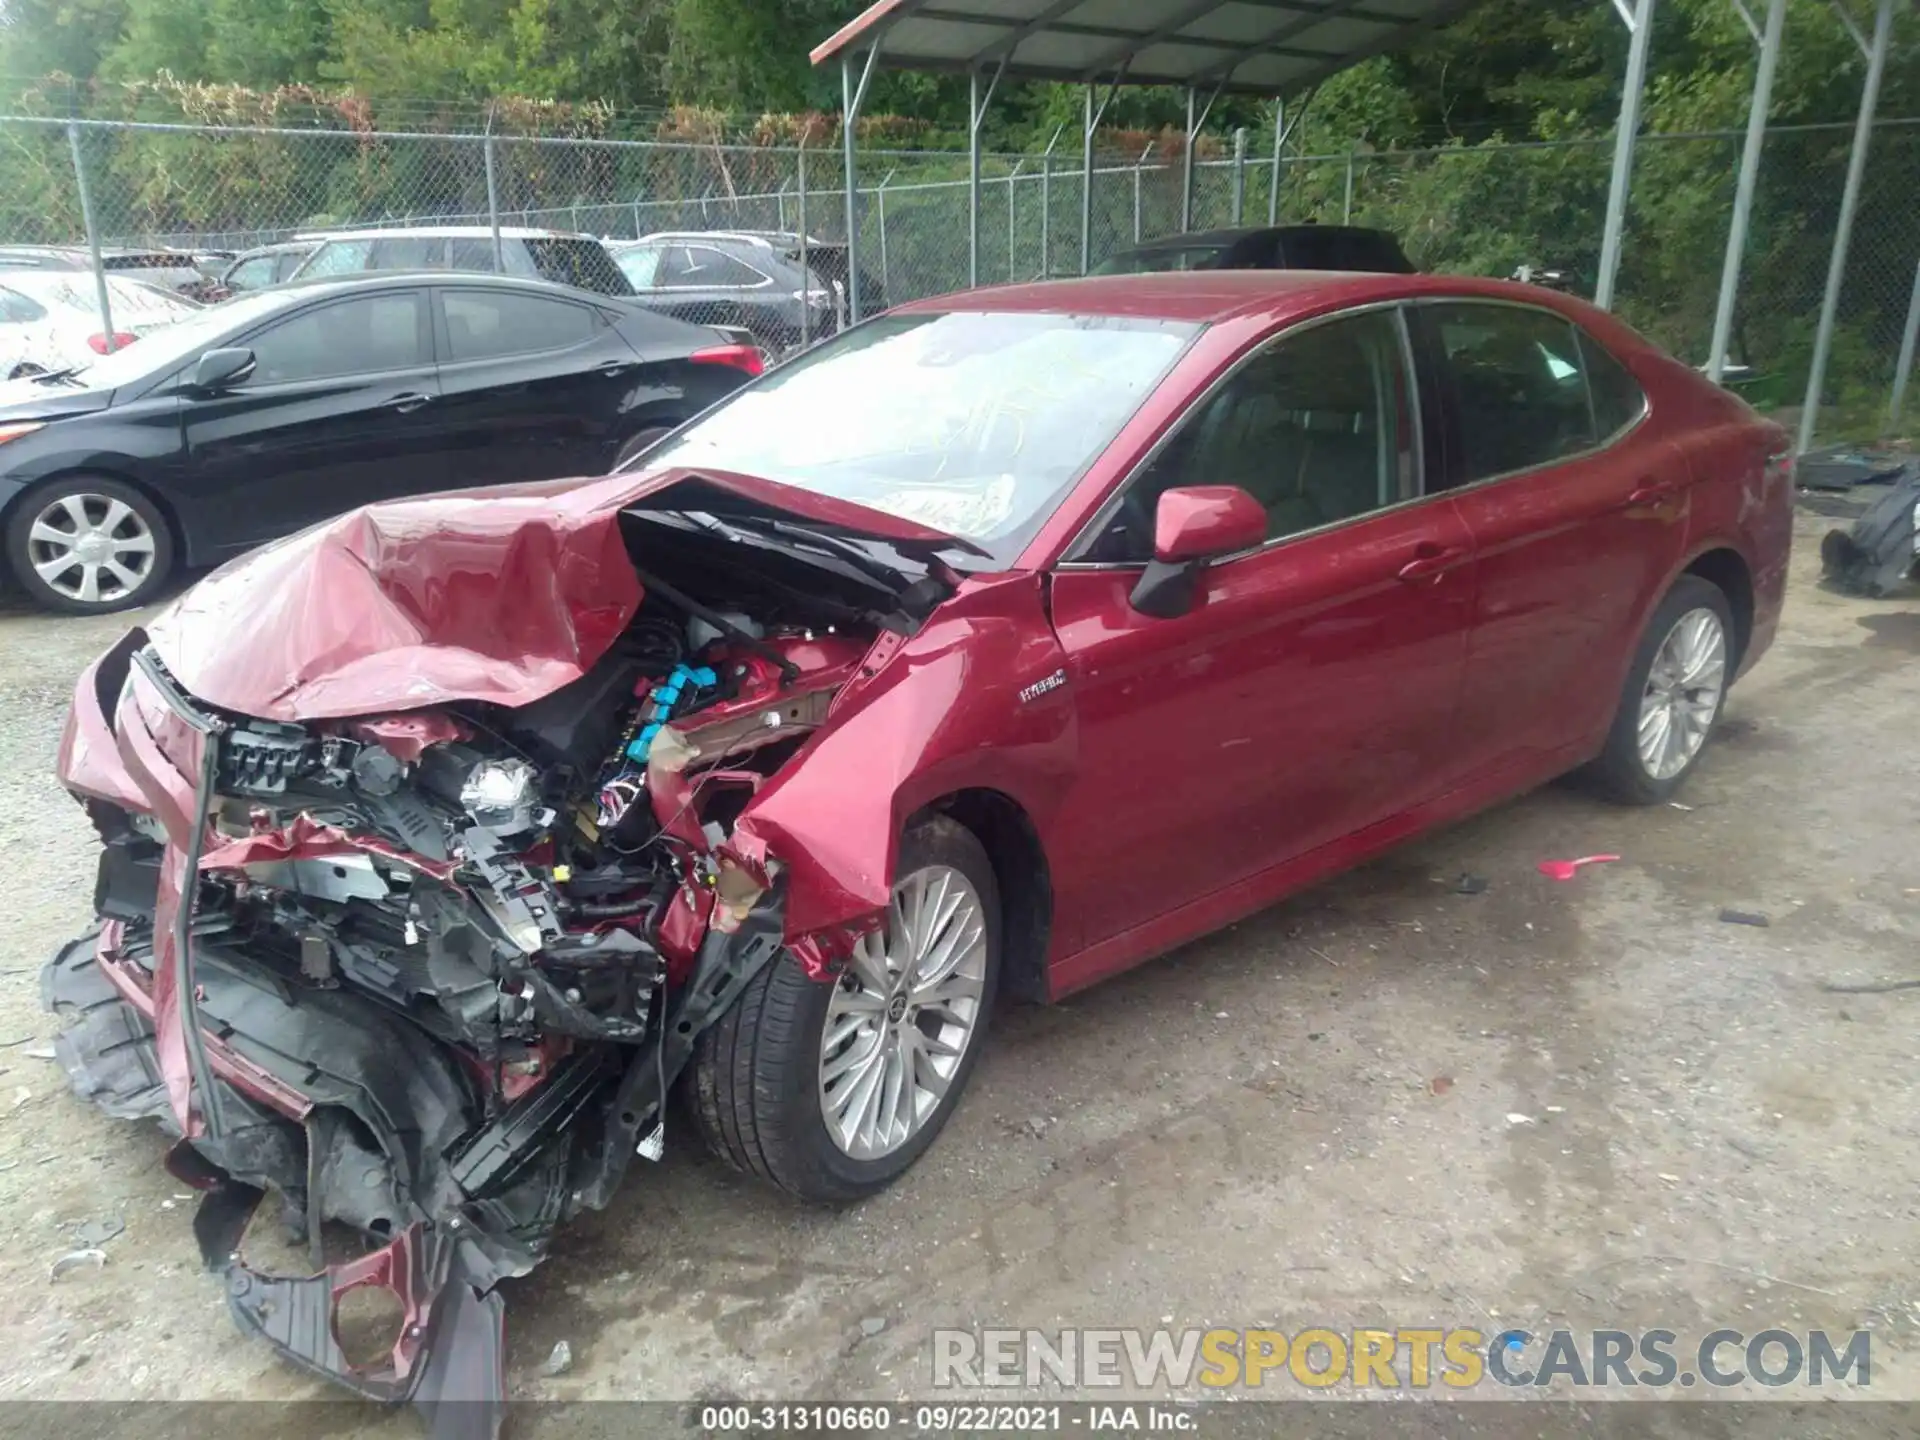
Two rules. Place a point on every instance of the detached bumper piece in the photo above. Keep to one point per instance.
(336, 1107)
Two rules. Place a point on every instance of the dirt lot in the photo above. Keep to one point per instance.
(1308, 1120)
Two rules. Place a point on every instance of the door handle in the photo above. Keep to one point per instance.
(1430, 561)
(408, 402)
(614, 367)
(1652, 492)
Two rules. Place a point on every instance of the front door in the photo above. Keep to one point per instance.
(1309, 691)
(337, 413)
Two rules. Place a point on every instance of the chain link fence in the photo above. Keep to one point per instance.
(1481, 209)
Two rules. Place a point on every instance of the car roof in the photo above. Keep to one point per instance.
(277, 248)
(448, 232)
(768, 238)
(367, 280)
(1209, 296)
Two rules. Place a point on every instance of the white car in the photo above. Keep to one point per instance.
(50, 320)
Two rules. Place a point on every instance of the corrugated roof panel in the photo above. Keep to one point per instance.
(1255, 46)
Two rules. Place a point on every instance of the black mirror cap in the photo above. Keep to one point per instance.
(218, 368)
(1165, 588)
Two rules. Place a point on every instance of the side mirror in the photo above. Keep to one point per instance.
(1192, 525)
(220, 368)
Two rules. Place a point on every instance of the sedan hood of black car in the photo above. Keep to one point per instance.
(31, 400)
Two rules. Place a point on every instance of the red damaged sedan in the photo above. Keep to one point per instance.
(999, 644)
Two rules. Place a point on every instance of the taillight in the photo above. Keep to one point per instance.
(740, 357)
(100, 344)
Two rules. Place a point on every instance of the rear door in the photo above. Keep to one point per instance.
(337, 413)
(533, 386)
(1310, 690)
(1577, 515)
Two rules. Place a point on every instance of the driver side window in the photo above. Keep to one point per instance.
(1317, 427)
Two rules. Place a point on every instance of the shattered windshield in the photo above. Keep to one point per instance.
(975, 424)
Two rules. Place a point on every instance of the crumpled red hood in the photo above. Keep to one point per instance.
(502, 594)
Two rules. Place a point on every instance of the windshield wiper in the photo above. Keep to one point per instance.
(842, 549)
(50, 377)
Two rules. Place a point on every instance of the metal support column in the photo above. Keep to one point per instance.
(1090, 124)
(93, 238)
(1639, 21)
(1769, 41)
(1346, 203)
(1876, 54)
(1196, 117)
(1137, 166)
(1018, 166)
(852, 97)
(977, 103)
(880, 197)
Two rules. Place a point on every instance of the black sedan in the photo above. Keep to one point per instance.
(286, 406)
(1267, 247)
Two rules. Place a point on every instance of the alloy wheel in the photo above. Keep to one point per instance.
(1682, 694)
(903, 1014)
(95, 549)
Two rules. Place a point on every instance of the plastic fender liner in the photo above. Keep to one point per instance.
(448, 1354)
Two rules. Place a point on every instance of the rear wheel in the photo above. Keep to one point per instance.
(87, 545)
(637, 445)
(1673, 695)
(833, 1090)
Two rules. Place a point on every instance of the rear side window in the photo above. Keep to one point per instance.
(252, 274)
(285, 265)
(339, 257)
(349, 337)
(583, 263)
(1345, 250)
(640, 264)
(1519, 382)
(1617, 396)
(409, 252)
(473, 253)
(483, 325)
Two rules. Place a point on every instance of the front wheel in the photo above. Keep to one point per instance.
(831, 1090)
(87, 545)
(1673, 695)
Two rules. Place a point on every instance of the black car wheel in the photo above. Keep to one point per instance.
(638, 445)
(88, 545)
(831, 1090)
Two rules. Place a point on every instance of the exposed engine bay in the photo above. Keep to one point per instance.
(428, 976)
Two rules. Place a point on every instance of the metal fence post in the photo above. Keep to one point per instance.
(1843, 230)
(1018, 166)
(1279, 143)
(880, 199)
(1239, 174)
(93, 238)
(493, 205)
(1138, 165)
(1346, 206)
(806, 275)
(1903, 371)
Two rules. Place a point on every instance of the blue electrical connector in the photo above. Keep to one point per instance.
(662, 700)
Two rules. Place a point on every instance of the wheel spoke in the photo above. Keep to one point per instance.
(45, 534)
(140, 542)
(882, 1076)
(52, 570)
(89, 583)
(76, 510)
(117, 512)
(128, 580)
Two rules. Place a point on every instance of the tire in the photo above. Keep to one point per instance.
(128, 552)
(636, 444)
(756, 1085)
(1623, 772)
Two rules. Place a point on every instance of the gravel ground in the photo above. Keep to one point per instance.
(1309, 1119)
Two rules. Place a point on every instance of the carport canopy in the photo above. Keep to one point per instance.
(1261, 47)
